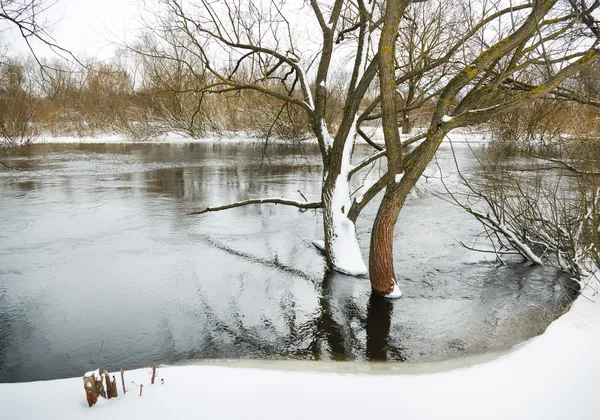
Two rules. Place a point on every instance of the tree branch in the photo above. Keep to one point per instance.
(271, 200)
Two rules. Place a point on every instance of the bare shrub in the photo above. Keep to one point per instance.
(544, 209)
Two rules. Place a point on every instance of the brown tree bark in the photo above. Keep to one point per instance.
(111, 386)
(405, 122)
(381, 259)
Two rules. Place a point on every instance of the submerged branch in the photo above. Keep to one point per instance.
(562, 163)
(273, 200)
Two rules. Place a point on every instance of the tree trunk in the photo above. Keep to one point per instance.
(381, 262)
(341, 243)
(405, 122)
(410, 96)
(381, 256)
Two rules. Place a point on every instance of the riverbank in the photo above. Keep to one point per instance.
(553, 376)
(458, 136)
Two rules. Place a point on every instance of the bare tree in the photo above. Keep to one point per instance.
(262, 51)
(481, 89)
(485, 61)
(544, 213)
(20, 106)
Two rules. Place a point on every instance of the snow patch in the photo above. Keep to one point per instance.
(446, 118)
(394, 294)
(95, 373)
(307, 93)
(364, 50)
(325, 134)
(489, 108)
(398, 178)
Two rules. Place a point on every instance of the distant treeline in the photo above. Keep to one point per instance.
(153, 97)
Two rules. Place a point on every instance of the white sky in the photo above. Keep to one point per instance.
(85, 27)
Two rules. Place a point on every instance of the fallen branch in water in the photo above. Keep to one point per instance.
(273, 200)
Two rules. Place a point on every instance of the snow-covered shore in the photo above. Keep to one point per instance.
(553, 376)
(229, 137)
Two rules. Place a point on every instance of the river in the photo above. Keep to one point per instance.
(100, 265)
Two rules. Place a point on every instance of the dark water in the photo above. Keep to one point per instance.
(101, 266)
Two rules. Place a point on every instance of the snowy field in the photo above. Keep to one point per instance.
(553, 376)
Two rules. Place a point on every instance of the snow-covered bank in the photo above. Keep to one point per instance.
(553, 376)
(232, 137)
(225, 137)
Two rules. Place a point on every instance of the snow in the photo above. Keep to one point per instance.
(346, 254)
(325, 134)
(446, 118)
(551, 377)
(394, 294)
(95, 374)
(522, 247)
(458, 136)
(320, 245)
(363, 57)
(364, 50)
(398, 178)
(232, 137)
(489, 108)
(307, 93)
(171, 137)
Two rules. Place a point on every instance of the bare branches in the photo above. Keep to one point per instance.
(237, 37)
(563, 163)
(25, 15)
(541, 217)
(272, 200)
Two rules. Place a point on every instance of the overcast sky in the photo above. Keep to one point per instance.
(84, 27)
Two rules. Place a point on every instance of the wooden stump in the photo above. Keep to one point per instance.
(92, 383)
(91, 392)
(111, 386)
(153, 373)
(123, 381)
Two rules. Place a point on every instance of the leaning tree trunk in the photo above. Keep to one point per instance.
(381, 261)
(381, 258)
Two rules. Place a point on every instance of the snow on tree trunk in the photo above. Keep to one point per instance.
(341, 244)
(327, 139)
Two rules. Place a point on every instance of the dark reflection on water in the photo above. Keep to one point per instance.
(100, 266)
(379, 320)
